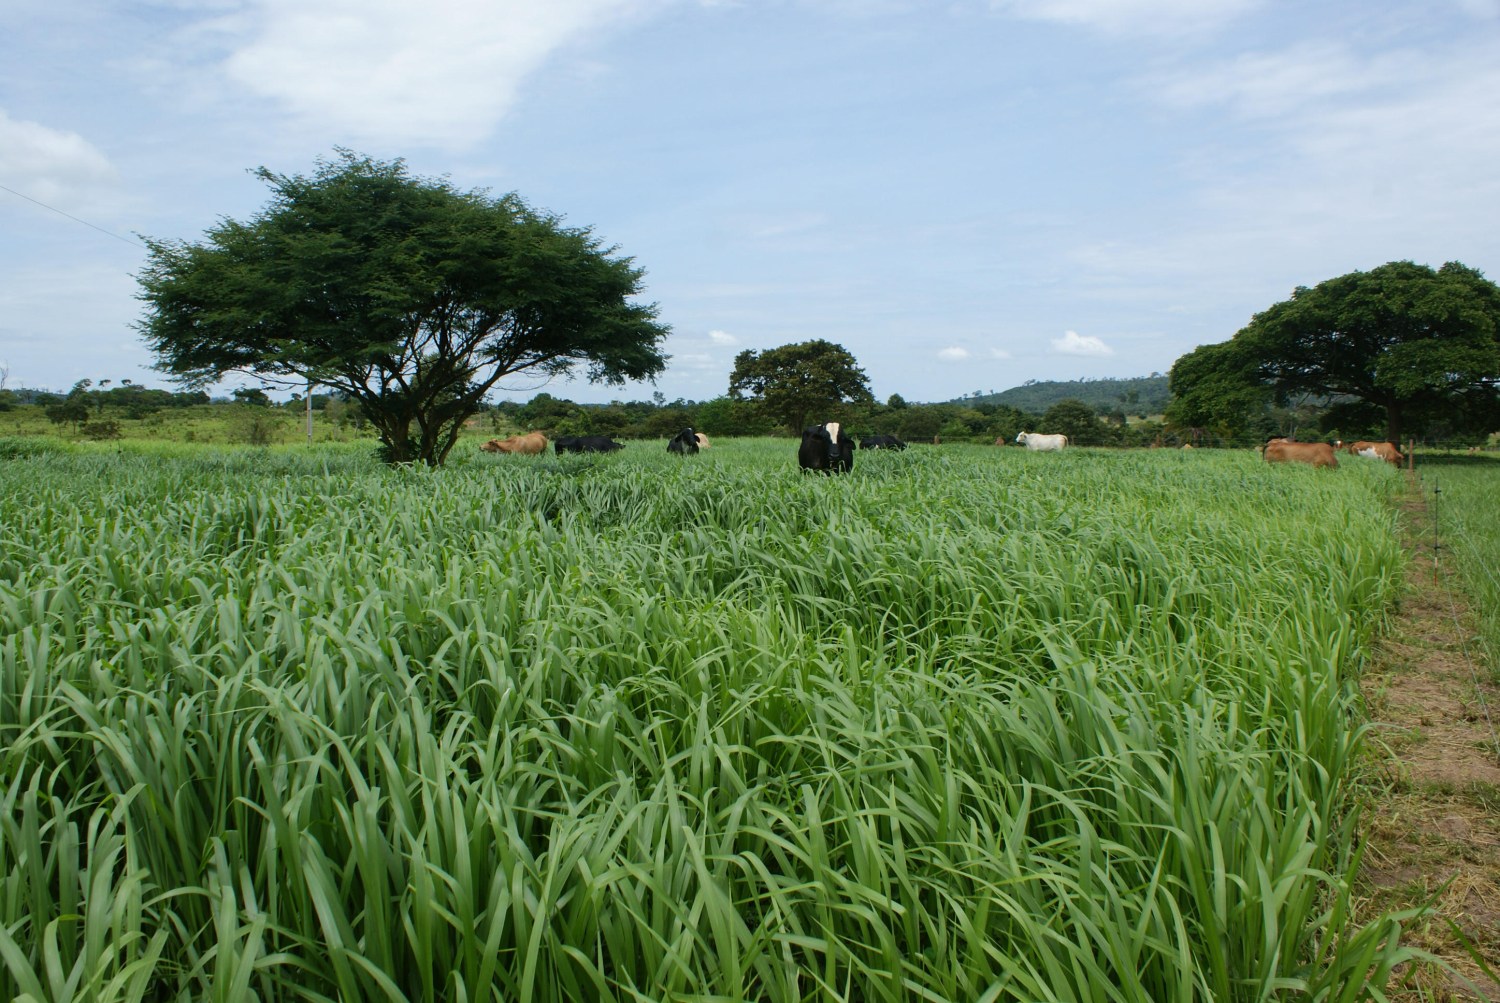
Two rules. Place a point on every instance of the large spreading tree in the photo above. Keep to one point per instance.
(794, 383)
(1214, 387)
(1407, 341)
(412, 297)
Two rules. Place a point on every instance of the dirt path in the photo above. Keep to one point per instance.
(1432, 818)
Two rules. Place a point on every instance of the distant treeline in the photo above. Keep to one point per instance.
(1139, 396)
(1124, 412)
(952, 421)
(131, 400)
(112, 412)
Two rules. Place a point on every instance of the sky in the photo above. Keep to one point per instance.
(965, 194)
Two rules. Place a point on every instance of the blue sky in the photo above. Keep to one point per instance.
(966, 194)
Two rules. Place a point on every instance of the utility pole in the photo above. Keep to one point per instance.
(309, 412)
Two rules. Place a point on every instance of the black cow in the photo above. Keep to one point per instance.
(684, 443)
(586, 444)
(826, 448)
(881, 442)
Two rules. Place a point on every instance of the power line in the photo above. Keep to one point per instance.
(75, 219)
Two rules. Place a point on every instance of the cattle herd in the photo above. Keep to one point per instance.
(828, 449)
(1279, 449)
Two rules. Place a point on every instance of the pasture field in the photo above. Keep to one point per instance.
(967, 724)
(204, 424)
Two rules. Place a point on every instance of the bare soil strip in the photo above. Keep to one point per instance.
(1431, 822)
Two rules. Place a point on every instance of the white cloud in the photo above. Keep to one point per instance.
(50, 165)
(1381, 155)
(1485, 9)
(954, 354)
(1273, 84)
(442, 73)
(1132, 17)
(722, 338)
(695, 361)
(1073, 343)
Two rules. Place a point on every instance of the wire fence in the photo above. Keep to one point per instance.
(1419, 445)
(1449, 534)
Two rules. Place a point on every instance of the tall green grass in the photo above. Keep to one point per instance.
(1463, 496)
(967, 724)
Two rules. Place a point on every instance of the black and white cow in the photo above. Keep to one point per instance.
(684, 443)
(826, 448)
(586, 444)
(881, 442)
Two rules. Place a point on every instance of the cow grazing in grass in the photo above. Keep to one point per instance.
(1376, 451)
(881, 442)
(684, 443)
(1282, 450)
(826, 448)
(702, 440)
(1039, 443)
(586, 444)
(529, 444)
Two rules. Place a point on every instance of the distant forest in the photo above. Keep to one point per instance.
(1142, 396)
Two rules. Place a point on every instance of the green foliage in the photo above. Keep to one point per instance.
(1142, 395)
(727, 416)
(546, 412)
(1212, 388)
(294, 726)
(797, 384)
(16, 446)
(405, 294)
(252, 395)
(255, 424)
(72, 409)
(953, 422)
(104, 428)
(1465, 517)
(1076, 420)
(919, 424)
(1419, 344)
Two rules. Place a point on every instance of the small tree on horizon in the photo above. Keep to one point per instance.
(1076, 420)
(794, 382)
(409, 296)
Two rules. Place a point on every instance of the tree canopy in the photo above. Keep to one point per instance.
(1076, 420)
(413, 298)
(1414, 342)
(794, 383)
(1211, 389)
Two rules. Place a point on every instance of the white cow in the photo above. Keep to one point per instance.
(1042, 443)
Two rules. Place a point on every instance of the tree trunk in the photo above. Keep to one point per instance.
(395, 435)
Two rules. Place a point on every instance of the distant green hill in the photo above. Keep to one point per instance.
(1137, 395)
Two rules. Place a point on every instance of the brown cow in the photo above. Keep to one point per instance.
(702, 440)
(1376, 451)
(1319, 454)
(529, 444)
